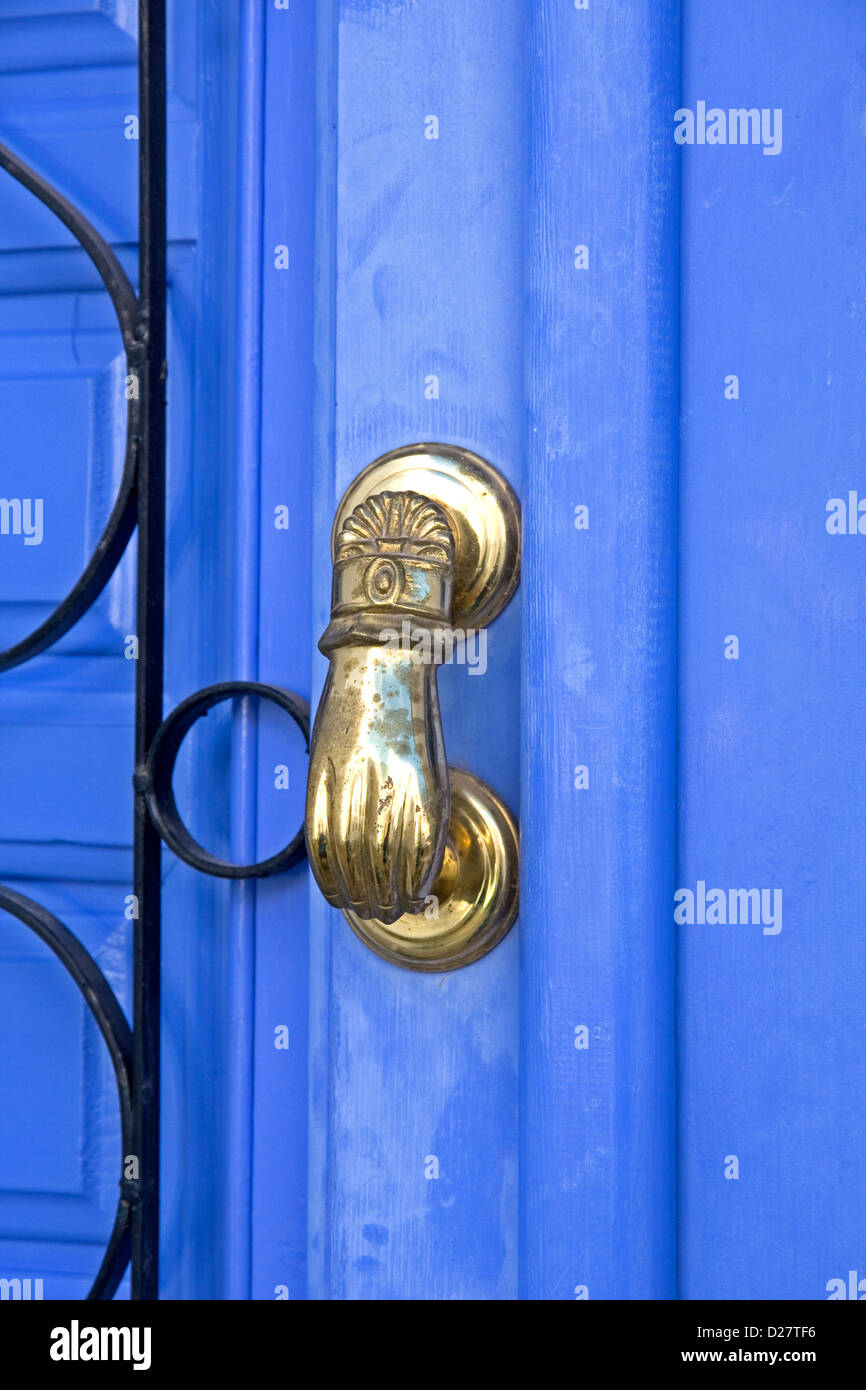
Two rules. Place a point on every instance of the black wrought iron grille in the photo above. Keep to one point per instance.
(140, 502)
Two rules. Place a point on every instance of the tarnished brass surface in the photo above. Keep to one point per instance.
(379, 801)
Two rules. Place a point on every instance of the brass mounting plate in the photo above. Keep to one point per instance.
(483, 511)
(474, 901)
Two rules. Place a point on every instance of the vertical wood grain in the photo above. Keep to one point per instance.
(597, 1122)
(424, 245)
(771, 787)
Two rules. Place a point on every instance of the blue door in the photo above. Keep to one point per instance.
(69, 107)
(615, 251)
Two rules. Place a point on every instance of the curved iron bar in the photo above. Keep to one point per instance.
(111, 1021)
(121, 522)
(139, 501)
(93, 579)
(156, 780)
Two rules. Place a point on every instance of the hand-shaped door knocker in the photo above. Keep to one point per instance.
(421, 858)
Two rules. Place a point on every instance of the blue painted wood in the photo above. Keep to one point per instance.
(207, 965)
(67, 85)
(596, 1168)
(245, 542)
(451, 1137)
(555, 1166)
(65, 722)
(279, 1227)
(556, 1160)
(419, 243)
(773, 1071)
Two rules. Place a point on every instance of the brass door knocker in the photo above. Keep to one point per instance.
(421, 858)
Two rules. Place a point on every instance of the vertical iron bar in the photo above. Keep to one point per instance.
(150, 630)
